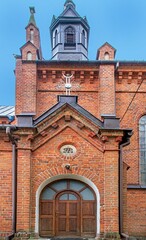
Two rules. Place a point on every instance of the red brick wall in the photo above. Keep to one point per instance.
(106, 48)
(29, 48)
(136, 209)
(89, 162)
(107, 90)
(85, 85)
(26, 87)
(45, 100)
(5, 184)
(37, 90)
(36, 35)
(19, 88)
(130, 107)
(124, 199)
(23, 184)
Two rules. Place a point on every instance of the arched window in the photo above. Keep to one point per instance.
(83, 37)
(67, 185)
(29, 56)
(106, 56)
(69, 36)
(56, 37)
(142, 146)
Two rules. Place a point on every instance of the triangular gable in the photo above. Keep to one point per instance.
(64, 116)
(107, 48)
(70, 12)
(67, 113)
(86, 133)
(107, 44)
(70, 101)
(31, 24)
(27, 44)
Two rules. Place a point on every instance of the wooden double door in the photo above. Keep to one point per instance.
(69, 212)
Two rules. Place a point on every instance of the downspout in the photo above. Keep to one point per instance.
(14, 179)
(125, 143)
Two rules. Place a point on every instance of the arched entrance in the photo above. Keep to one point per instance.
(67, 208)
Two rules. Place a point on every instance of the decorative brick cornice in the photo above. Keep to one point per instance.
(45, 75)
(104, 139)
(131, 75)
(119, 139)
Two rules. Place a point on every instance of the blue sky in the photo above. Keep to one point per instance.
(122, 23)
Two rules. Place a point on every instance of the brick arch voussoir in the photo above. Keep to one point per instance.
(91, 174)
(140, 112)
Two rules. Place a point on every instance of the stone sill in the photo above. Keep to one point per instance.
(135, 186)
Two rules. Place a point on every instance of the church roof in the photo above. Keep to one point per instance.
(32, 18)
(69, 14)
(53, 19)
(7, 111)
(109, 45)
(27, 43)
(72, 102)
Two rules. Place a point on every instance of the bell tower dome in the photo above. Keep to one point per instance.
(69, 35)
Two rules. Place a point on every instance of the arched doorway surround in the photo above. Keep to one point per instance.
(73, 177)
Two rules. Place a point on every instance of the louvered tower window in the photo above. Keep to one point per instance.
(142, 145)
(56, 37)
(69, 37)
(83, 37)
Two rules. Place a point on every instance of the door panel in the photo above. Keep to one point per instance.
(68, 213)
(74, 217)
(62, 209)
(46, 224)
(62, 225)
(46, 218)
(73, 208)
(73, 225)
(88, 208)
(47, 208)
(61, 216)
(88, 216)
(88, 225)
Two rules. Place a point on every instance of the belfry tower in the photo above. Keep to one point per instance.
(69, 35)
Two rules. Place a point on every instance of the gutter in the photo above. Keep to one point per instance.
(14, 179)
(125, 142)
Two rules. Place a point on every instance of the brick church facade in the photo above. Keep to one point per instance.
(73, 156)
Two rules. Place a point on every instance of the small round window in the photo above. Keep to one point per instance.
(68, 150)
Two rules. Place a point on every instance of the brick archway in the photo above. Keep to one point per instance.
(68, 176)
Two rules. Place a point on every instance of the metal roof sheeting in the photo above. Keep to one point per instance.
(7, 111)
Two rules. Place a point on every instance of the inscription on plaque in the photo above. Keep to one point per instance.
(68, 150)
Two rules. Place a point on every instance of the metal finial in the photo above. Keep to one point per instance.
(32, 10)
